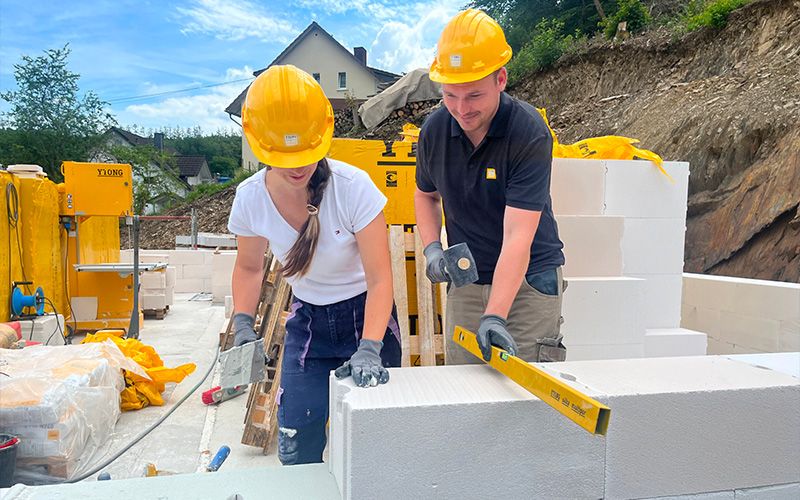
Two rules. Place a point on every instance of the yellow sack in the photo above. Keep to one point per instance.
(140, 392)
(608, 147)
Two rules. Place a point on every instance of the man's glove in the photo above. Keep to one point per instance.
(244, 329)
(365, 365)
(434, 255)
(492, 331)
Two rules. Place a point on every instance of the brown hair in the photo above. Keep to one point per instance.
(298, 260)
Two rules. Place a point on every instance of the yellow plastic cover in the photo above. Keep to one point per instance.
(140, 392)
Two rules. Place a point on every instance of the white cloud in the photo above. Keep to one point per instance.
(406, 45)
(205, 110)
(235, 20)
(376, 10)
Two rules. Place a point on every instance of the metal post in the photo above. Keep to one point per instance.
(133, 327)
(194, 230)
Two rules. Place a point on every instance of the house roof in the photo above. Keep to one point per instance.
(189, 166)
(138, 140)
(133, 139)
(383, 77)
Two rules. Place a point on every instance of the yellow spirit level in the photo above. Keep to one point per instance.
(570, 402)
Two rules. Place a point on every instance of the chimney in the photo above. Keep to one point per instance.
(361, 54)
(158, 141)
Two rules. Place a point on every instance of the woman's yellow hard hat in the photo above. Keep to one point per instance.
(287, 119)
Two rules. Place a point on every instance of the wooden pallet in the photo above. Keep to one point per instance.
(59, 467)
(155, 313)
(425, 346)
(261, 421)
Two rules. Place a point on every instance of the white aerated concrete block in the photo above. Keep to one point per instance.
(171, 275)
(782, 362)
(638, 189)
(84, 308)
(201, 271)
(457, 432)
(667, 342)
(604, 351)
(222, 272)
(592, 244)
(228, 306)
(187, 257)
(662, 300)
(653, 246)
(601, 311)
(577, 187)
(154, 301)
(190, 285)
(789, 336)
(169, 293)
(717, 495)
(47, 329)
(777, 492)
(683, 426)
(153, 280)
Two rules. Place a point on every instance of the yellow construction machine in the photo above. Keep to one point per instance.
(60, 247)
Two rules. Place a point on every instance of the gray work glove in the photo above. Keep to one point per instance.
(244, 329)
(434, 256)
(492, 331)
(365, 365)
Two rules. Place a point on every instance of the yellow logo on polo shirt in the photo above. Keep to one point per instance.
(491, 174)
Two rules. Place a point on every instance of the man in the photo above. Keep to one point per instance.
(487, 158)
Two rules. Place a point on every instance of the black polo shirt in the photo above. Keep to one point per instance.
(511, 167)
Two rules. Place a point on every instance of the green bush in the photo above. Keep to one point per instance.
(542, 51)
(712, 14)
(203, 190)
(630, 11)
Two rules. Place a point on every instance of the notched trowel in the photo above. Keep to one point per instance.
(243, 365)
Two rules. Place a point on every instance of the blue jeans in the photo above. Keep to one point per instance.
(319, 339)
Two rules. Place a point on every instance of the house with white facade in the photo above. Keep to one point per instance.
(345, 76)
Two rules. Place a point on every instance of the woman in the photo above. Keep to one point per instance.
(323, 220)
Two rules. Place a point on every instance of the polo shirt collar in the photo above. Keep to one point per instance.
(499, 125)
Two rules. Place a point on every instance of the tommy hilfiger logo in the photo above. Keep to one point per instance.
(491, 173)
(337, 232)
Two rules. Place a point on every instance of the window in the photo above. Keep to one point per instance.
(316, 76)
(342, 80)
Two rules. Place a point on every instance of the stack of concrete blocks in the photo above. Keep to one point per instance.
(157, 290)
(208, 240)
(685, 427)
(623, 227)
(193, 268)
(222, 264)
(742, 315)
(47, 329)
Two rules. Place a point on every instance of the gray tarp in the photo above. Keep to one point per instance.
(414, 86)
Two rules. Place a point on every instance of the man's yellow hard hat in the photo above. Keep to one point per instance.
(287, 120)
(472, 46)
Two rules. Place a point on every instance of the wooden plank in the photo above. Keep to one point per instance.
(438, 344)
(399, 284)
(443, 300)
(425, 311)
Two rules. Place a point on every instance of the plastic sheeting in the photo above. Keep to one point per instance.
(63, 403)
(141, 391)
(414, 86)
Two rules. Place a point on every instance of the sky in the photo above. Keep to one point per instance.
(126, 51)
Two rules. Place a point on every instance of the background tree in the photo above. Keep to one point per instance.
(48, 122)
(519, 17)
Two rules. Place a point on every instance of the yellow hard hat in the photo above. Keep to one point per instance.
(287, 120)
(472, 46)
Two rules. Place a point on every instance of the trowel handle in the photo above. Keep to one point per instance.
(219, 458)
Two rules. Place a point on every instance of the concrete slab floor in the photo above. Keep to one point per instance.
(187, 439)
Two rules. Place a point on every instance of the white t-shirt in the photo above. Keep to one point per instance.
(350, 202)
